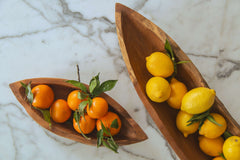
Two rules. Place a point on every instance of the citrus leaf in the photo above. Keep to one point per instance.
(198, 117)
(76, 116)
(89, 102)
(112, 144)
(82, 105)
(108, 85)
(168, 47)
(78, 84)
(108, 146)
(104, 129)
(28, 91)
(94, 83)
(201, 123)
(81, 108)
(82, 95)
(181, 62)
(221, 154)
(227, 134)
(211, 119)
(24, 85)
(99, 137)
(46, 116)
(114, 124)
(105, 86)
(110, 141)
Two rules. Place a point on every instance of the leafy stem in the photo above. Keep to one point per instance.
(227, 134)
(105, 138)
(171, 55)
(201, 118)
(29, 94)
(77, 117)
(95, 88)
(87, 94)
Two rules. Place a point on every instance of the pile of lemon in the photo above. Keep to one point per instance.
(191, 103)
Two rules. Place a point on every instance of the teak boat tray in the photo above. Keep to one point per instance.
(138, 38)
(130, 131)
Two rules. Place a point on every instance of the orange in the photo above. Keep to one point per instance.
(107, 121)
(87, 125)
(178, 90)
(211, 130)
(59, 111)
(212, 147)
(43, 96)
(98, 108)
(73, 100)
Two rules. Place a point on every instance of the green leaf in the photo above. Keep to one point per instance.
(227, 134)
(211, 119)
(104, 129)
(198, 117)
(112, 144)
(201, 123)
(108, 85)
(76, 116)
(82, 107)
(78, 84)
(108, 146)
(110, 141)
(180, 62)
(168, 47)
(222, 155)
(24, 85)
(82, 95)
(114, 124)
(99, 137)
(89, 102)
(105, 86)
(94, 83)
(28, 91)
(46, 116)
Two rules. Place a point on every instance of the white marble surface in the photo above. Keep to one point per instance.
(48, 38)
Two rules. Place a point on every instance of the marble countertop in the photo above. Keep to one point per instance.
(48, 38)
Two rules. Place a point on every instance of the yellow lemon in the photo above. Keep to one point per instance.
(211, 147)
(231, 148)
(182, 124)
(218, 158)
(159, 64)
(198, 100)
(178, 90)
(158, 89)
(211, 130)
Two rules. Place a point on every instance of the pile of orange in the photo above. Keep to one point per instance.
(61, 110)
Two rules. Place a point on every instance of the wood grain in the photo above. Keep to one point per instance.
(129, 133)
(138, 38)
